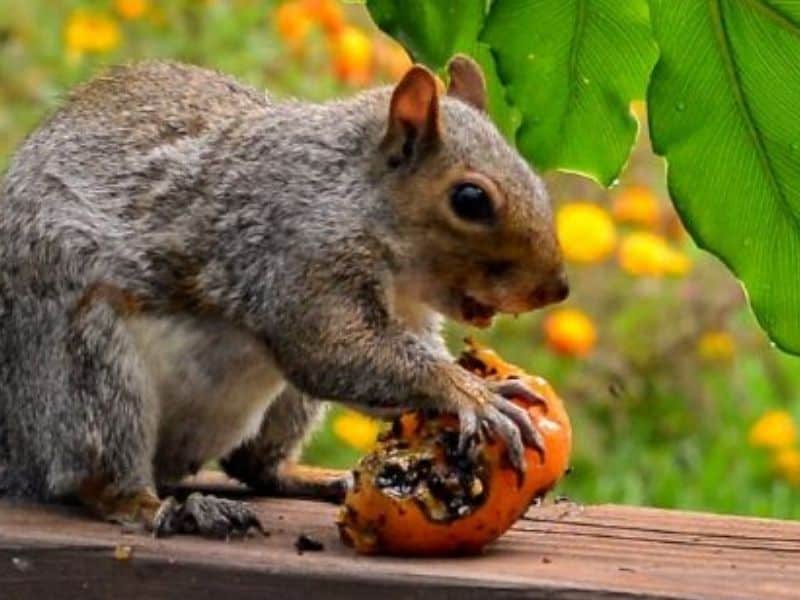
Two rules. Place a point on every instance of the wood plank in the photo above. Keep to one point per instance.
(560, 551)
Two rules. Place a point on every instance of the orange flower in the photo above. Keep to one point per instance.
(638, 205)
(131, 9)
(647, 254)
(570, 332)
(87, 31)
(352, 56)
(293, 23)
(586, 232)
(327, 13)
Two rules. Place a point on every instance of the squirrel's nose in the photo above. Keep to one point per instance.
(551, 291)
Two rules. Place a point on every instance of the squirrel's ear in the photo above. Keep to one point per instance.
(414, 112)
(466, 81)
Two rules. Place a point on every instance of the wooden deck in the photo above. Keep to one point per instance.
(561, 551)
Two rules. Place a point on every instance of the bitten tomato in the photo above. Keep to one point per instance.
(417, 495)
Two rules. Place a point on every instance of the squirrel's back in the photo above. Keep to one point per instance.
(119, 123)
(125, 141)
(158, 101)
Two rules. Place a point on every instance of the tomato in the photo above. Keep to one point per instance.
(417, 495)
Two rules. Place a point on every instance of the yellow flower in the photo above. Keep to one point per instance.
(644, 253)
(356, 429)
(637, 205)
(90, 32)
(774, 429)
(131, 9)
(570, 332)
(586, 232)
(352, 56)
(786, 462)
(716, 346)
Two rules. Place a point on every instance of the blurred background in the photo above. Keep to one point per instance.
(676, 396)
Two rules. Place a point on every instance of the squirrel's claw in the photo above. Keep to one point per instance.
(205, 515)
(469, 425)
(504, 426)
(489, 418)
(514, 388)
(520, 417)
(500, 417)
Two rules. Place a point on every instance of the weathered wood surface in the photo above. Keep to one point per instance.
(561, 551)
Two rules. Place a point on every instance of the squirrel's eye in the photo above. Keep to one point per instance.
(471, 203)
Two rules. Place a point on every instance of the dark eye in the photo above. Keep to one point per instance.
(471, 203)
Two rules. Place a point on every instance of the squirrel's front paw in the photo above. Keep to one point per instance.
(492, 410)
(205, 515)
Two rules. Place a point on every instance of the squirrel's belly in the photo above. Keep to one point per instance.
(214, 383)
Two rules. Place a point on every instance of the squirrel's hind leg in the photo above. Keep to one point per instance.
(132, 508)
(268, 462)
(76, 404)
(114, 385)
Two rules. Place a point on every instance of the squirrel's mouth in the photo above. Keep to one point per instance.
(475, 312)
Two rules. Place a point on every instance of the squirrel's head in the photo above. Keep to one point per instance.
(476, 234)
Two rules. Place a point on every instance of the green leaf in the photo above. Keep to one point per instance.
(723, 106)
(573, 67)
(505, 115)
(567, 68)
(435, 30)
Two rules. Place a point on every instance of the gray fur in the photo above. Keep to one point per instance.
(172, 241)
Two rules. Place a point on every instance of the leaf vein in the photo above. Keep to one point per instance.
(776, 16)
(573, 79)
(725, 46)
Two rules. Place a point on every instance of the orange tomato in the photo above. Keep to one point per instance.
(415, 495)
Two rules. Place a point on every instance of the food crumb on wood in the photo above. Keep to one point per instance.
(305, 543)
(21, 564)
(123, 552)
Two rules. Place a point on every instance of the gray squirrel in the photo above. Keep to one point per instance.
(188, 266)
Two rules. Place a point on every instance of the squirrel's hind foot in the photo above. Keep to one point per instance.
(199, 514)
(205, 515)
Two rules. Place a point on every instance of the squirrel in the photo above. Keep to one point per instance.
(190, 270)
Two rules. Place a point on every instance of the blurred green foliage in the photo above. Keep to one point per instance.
(656, 421)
